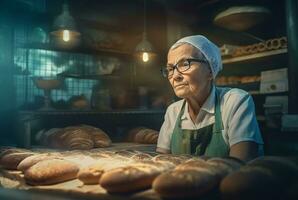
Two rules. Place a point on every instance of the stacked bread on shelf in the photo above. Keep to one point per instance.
(268, 45)
(74, 137)
(233, 80)
(142, 135)
(170, 176)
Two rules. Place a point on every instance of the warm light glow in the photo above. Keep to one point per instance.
(66, 35)
(145, 57)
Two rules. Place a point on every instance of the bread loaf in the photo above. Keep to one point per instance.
(170, 158)
(183, 184)
(33, 159)
(100, 138)
(142, 135)
(141, 156)
(83, 137)
(51, 171)
(136, 177)
(194, 178)
(92, 173)
(11, 160)
(264, 177)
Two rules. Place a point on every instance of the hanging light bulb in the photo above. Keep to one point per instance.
(66, 35)
(144, 49)
(145, 57)
(64, 26)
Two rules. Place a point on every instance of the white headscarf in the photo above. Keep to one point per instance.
(207, 48)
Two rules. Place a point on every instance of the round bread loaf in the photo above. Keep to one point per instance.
(49, 172)
(249, 183)
(12, 160)
(183, 184)
(264, 177)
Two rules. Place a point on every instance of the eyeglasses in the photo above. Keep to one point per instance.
(181, 66)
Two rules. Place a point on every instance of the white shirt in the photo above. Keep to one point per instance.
(237, 113)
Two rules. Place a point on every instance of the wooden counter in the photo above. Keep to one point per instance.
(71, 189)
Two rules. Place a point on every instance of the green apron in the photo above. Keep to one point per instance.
(204, 141)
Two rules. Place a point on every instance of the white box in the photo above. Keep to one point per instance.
(274, 81)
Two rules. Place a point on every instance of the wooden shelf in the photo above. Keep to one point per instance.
(255, 63)
(79, 49)
(89, 76)
(261, 55)
(92, 112)
(253, 86)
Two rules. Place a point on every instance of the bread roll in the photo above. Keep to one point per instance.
(49, 172)
(11, 160)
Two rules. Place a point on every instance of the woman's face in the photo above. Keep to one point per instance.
(197, 80)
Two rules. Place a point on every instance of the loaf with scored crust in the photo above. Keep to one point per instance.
(51, 171)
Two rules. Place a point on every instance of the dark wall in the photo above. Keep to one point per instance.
(7, 99)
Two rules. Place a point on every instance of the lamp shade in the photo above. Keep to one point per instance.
(65, 22)
(144, 46)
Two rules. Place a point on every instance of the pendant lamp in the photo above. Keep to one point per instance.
(144, 49)
(64, 26)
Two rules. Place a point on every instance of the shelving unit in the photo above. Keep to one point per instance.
(79, 49)
(255, 63)
(261, 57)
(91, 112)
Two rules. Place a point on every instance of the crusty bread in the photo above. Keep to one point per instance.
(141, 156)
(194, 178)
(184, 183)
(225, 166)
(51, 171)
(142, 135)
(33, 159)
(91, 174)
(99, 137)
(170, 158)
(132, 178)
(248, 184)
(264, 177)
(11, 160)
(83, 137)
(132, 134)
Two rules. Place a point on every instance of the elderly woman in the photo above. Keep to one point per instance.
(209, 120)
